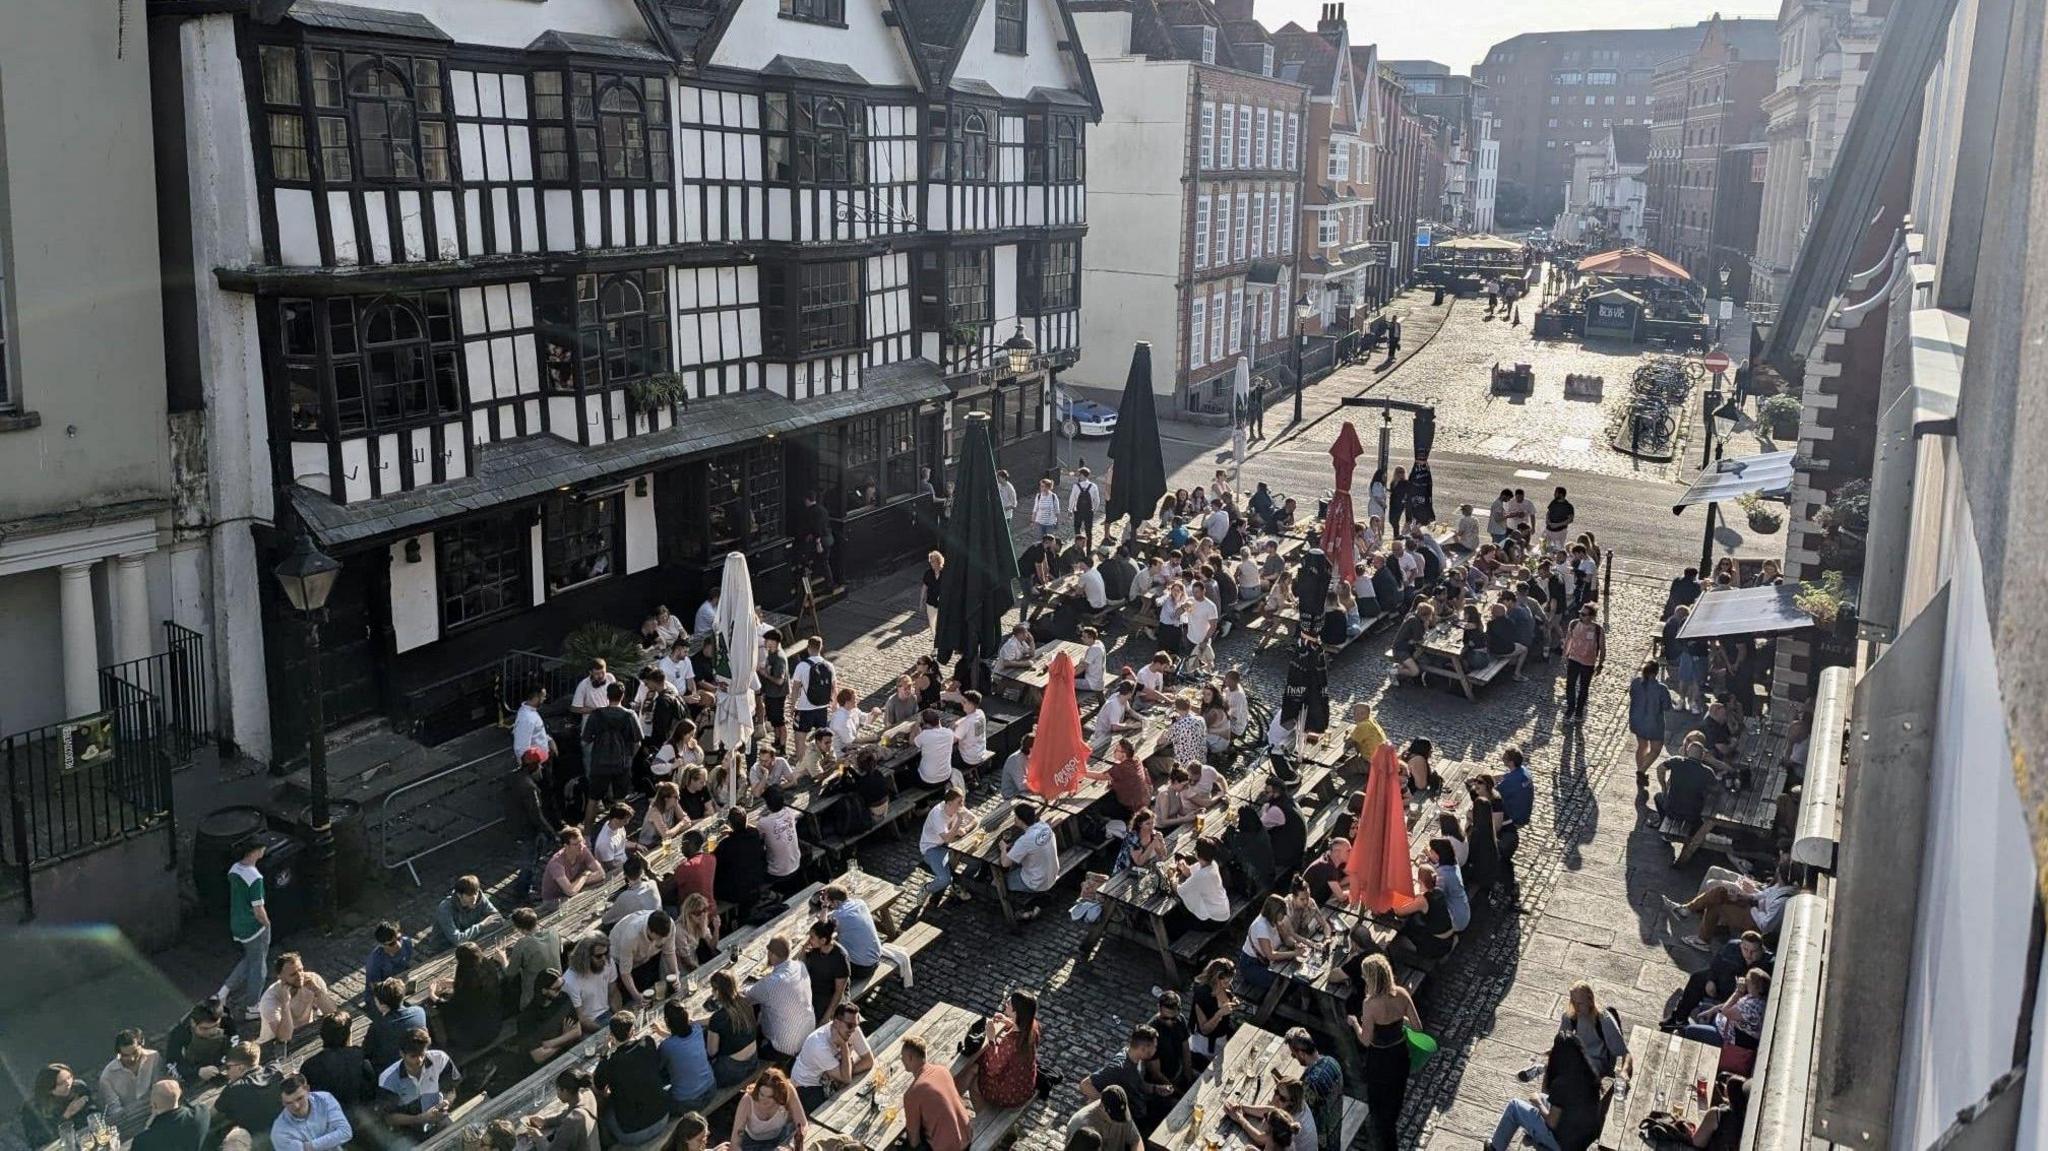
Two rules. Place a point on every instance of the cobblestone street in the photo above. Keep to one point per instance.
(1589, 879)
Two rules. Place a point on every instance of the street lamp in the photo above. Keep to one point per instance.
(307, 576)
(1725, 418)
(1302, 311)
(1020, 350)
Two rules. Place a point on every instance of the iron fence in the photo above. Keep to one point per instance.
(178, 678)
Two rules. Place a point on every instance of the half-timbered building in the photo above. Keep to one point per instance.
(529, 313)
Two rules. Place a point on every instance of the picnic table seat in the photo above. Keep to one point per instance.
(1352, 1123)
(913, 940)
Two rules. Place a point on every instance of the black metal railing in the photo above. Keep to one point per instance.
(437, 712)
(179, 678)
(85, 782)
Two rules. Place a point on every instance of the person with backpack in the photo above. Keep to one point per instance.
(812, 683)
(1082, 500)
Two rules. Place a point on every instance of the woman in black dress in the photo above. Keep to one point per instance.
(929, 680)
(1482, 849)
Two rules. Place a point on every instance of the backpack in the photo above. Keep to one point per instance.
(1084, 499)
(818, 683)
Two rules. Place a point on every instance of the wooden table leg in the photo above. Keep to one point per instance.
(1271, 1002)
(1347, 1041)
(1165, 950)
(1097, 929)
(1697, 840)
(1002, 886)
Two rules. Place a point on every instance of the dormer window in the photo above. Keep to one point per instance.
(1208, 44)
(1010, 27)
(1266, 60)
(819, 140)
(815, 11)
(606, 128)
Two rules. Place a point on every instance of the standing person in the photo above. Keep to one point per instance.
(1557, 521)
(812, 683)
(1322, 1077)
(928, 588)
(1397, 500)
(814, 542)
(1198, 620)
(1256, 414)
(1497, 515)
(1382, 1025)
(1082, 500)
(774, 672)
(1649, 703)
(1585, 653)
(1045, 510)
(612, 736)
(249, 926)
(1006, 495)
(1517, 791)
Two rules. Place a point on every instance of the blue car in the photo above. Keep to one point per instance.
(1085, 418)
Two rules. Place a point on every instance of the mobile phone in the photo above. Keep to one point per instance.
(1530, 1073)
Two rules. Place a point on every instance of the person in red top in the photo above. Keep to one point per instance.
(934, 1116)
(569, 870)
(694, 874)
(1127, 778)
(1005, 1073)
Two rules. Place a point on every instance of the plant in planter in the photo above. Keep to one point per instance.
(963, 336)
(1781, 415)
(1825, 599)
(658, 391)
(1845, 522)
(1762, 516)
(595, 641)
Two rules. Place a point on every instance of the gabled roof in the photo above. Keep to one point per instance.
(579, 44)
(1631, 143)
(689, 30)
(938, 32)
(1314, 58)
(351, 18)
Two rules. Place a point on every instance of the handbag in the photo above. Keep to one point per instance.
(976, 1037)
(1420, 1047)
(1660, 1128)
(1047, 1080)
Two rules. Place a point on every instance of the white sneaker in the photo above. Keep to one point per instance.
(1695, 942)
(1675, 909)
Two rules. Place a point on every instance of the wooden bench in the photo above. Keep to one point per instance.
(1449, 666)
(912, 941)
(1355, 1114)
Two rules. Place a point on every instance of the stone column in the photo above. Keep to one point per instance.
(81, 639)
(131, 608)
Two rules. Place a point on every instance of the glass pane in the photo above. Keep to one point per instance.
(280, 75)
(297, 329)
(326, 69)
(426, 84)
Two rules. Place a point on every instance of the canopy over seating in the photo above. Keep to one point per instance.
(1638, 262)
(1486, 243)
(1745, 611)
(1764, 472)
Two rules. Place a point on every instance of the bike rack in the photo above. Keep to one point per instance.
(384, 820)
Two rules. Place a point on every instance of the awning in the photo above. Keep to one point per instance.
(1765, 472)
(1745, 611)
(514, 471)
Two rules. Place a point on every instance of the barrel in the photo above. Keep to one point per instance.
(213, 852)
(351, 847)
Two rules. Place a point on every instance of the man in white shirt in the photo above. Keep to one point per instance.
(707, 614)
(1094, 669)
(1201, 885)
(644, 951)
(1199, 620)
(1114, 717)
(125, 1080)
(1235, 700)
(1217, 525)
(1250, 580)
(1152, 678)
(784, 997)
(1031, 864)
(530, 740)
(1409, 561)
(1006, 495)
(935, 743)
(832, 1057)
(1018, 650)
(295, 1001)
(769, 770)
(677, 668)
(970, 734)
(777, 825)
(592, 694)
(948, 821)
(413, 1092)
(810, 712)
(1092, 587)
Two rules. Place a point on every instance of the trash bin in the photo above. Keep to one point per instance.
(285, 892)
(351, 846)
(213, 852)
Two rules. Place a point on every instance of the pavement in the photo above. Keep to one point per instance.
(1590, 875)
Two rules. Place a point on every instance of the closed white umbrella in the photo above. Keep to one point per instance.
(1241, 407)
(739, 643)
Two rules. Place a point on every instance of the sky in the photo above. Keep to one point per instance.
(1458, 32)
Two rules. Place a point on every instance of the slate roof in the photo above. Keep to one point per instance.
(1310, 55)
(371, 21)
(805, 69)
(580, 44)
(514, 471)
(1631, 144)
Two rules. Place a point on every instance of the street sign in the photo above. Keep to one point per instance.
(1422, 237)
(1716, 362)
(1727, 308)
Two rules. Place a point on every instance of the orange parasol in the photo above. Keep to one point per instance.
(1378, 874)
(1340, 523)
(1060, 752)
(1640, 263)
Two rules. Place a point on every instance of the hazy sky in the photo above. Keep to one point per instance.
(1458, 32)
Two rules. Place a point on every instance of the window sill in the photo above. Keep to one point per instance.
(807, 20)
(20, 421)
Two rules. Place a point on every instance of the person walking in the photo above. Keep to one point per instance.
(1006, 494)
(1082, 500)
(1585, 653)
(1256, 415)
(1045, 510)
(249, 926)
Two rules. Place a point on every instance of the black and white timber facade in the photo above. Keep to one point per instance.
(531, 312)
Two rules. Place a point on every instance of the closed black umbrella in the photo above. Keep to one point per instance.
(974, 588)
(1138, 481)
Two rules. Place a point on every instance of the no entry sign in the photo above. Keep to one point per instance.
(1716, 362)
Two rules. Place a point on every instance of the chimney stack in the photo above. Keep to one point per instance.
(1331, 25)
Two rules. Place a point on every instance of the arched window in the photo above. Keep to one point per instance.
(622, 133)
(1066, 150)
(624, 309)
(974, 148)
(405, 377)
(380, 101)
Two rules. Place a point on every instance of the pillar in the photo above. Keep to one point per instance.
(81, 639)
(131, 608)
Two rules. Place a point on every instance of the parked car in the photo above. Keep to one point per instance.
(1085, 418)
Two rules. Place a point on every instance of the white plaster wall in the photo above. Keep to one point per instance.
(415, 595)
(225, 234)
(1042, 66)
(31, 677)
(642, 546)
(757, 34)
(1136, 161)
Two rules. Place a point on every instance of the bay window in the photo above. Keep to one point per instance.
(375, 364)
(581, 540)
(816, 139)
(810, 309)
(1048, 277)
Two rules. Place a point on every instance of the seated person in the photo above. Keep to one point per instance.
(1569, 1112)
(1035, 564)
(1427, 934)
(1152, 679)
(1735, 904)
(1688, 779)
(1019, 651)
(415, 1093)
(1730, 962)
(1127, 778)
(1736, 1021)
(1030, 861)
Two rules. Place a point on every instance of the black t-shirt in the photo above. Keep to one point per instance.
(1410, 633)
(613, 733)
(1320, 876)
(1121, 1072)
(1559, 515)
(1028, 561)
(1173, 1045)
(872, 787)
(1205, 1004)
(931, 587)
(742, 866)
(1717, 733)
(774, 675)
(1117, 575)
(339, 1072)
(543, 1020)
(1685, 794)
(1500, 636)
(636, 1084)
(826, 969)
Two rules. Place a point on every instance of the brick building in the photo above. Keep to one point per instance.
(1337, 250)
(1724, 92)
(1397, 174)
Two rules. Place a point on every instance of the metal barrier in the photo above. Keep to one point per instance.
(479, 773)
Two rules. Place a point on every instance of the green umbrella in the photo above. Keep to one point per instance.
(974, 588)
(1138, 476)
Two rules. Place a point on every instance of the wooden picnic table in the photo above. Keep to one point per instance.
(871, 1112)
(1442, 654)
(1751, 811)
(984, 845)
(1668, 1069)
(1027, 685)
(1251, 1063)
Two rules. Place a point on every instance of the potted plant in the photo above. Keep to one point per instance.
(595, 641)
(1825, 599)
(963, 336)
(1763, 518)
(1781, 415)
(1845, 522)
(658, 391)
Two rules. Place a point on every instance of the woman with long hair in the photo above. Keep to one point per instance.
(1006, 1068)
(1482, 835)
(1209, 1017)
(473, 1010)
(666, 818)
(1596, 1030)
(57, 1100)
(698, 930)
(1649, 702)
(1376, 495)
(930, 681)
(928, 587)
(694, 795)
(1382, 1025)
(1416, 759)
(732, 1032)
(769, 1115)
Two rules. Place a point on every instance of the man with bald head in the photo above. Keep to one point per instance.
(174, 1125)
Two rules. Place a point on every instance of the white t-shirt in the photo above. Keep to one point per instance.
(784, 997)
(1203, 895)
(591, 695)
(1262, 928)
(1170, 610)
(935, 825)
(1036, 857)
(1093, 590)
(1240, 709)
(935, 754)
(817, 1059)
(1248, 574)
(1109, 715)
(680, 672)
(1412, 567)
(1013, 649)
(1199, 618)
(800, 685)
(1217, 525)
(844, 724)
(591, 993)
(1094, 667)
(971, 732)
(776, 773)
(784, 852)
(609, 844)
(707, 618)
(1151, 677)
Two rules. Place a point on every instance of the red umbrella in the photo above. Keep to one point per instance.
(1060, 752)
(1378, 874)
(1340, 525)
(1640, 263)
